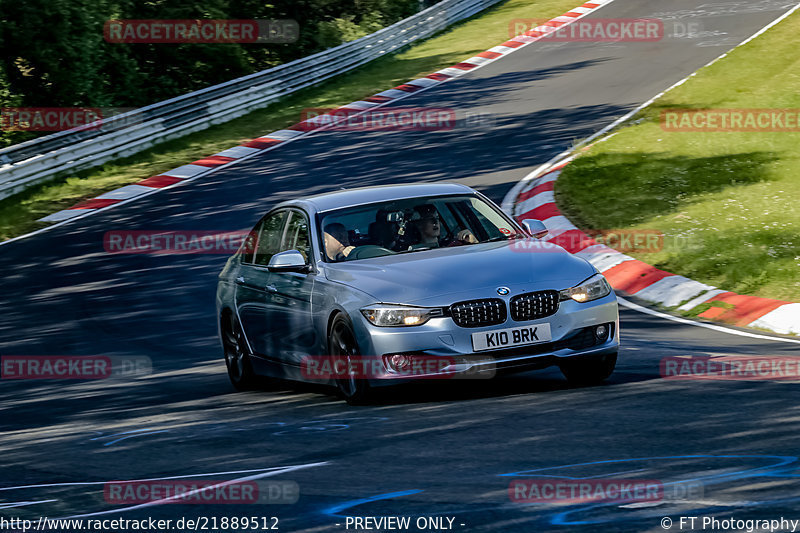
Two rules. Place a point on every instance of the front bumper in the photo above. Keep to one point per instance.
(441, 338)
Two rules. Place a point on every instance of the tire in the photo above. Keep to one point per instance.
(589, 371)
(237, 356)
(342, 345)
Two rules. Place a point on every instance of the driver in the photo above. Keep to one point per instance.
(337, 242)
(426, 221)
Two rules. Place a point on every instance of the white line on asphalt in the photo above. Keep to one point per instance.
(9, 505)
(721, 329)
(185, 476)
(183, 495)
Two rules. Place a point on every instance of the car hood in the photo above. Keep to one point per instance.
(441, 276)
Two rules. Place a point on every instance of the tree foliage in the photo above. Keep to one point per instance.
(54, 53)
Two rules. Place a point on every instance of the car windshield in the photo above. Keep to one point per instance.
(411, 225)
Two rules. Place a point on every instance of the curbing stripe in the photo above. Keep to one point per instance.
(547, 186)
(420, 82)
(746, 309)
(691, 304)
(604, 262)
(538, 200)
(123, 193)
(65, 214)
(488, 55)
(237, 151)
(392, 93)
(95, 203)
(633, 276)
(544, 212)
(557, 223)
(212, 161)
(452, 71)
(785, 319)
(186, 171)
(157, 182)
(261, 143)
(672, 290)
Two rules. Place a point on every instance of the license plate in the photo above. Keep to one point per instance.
(503, 338)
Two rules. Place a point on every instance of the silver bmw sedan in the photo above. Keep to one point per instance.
(367, 287)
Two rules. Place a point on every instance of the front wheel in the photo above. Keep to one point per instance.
(343, 346)
(589, 371)
(237, 356)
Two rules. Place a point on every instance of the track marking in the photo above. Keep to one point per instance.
(722, 329)
(85, 483)
(9, 505)
(353, 503)
(274, 472)
(128, 435)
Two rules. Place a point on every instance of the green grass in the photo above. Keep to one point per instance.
(19, 214)
(727, 202)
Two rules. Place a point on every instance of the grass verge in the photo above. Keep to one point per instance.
(19, 214)
(726, 201)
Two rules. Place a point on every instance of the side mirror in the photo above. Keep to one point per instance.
(288, 261)
(535, 227)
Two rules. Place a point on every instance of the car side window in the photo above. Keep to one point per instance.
(269, 237)
(248, 248)
(296, 236)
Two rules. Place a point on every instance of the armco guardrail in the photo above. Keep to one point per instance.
(41, 159)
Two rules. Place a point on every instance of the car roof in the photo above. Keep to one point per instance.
(383, 193)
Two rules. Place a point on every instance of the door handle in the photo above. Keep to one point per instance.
(240, 280)
(271, 288)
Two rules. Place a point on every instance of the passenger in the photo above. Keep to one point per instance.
(337, 242)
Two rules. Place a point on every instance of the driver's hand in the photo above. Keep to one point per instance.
(347, 250)
(466, 236)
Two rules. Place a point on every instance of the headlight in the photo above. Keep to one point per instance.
(398, 315)
(591, 289)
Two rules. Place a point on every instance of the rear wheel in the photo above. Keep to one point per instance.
(589, 371)
(237, 355)
(343, 346)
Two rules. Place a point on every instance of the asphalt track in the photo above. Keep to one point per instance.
(443, 449)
